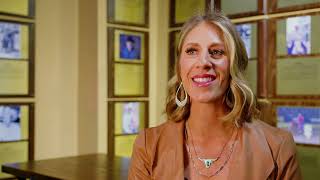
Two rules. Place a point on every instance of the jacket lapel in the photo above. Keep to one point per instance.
(169, 154)
(252, 158)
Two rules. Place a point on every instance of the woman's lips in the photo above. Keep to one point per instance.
(203, 80)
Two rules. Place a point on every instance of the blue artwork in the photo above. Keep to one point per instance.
(10, 123)
(298, 35)
(10, 40)
(244, 31)
(130, 47)
(302, 122)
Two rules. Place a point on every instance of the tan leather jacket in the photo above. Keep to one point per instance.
(263, 152)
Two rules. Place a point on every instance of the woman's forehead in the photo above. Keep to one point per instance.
(204, 33)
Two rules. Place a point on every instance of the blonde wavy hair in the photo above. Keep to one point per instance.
(238, 97)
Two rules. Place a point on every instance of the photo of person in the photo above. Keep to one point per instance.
(10, 40)
(298, 35)
(302, 122)
(245, 33)
(10, 129)
(130, 118)
(130, 47)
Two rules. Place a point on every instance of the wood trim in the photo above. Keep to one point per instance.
(110, 64)
(111, 15)
(272, 72)
(111, 119)
(262, 84)
(280, 57)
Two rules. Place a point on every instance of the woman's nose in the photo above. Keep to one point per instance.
(204, 61)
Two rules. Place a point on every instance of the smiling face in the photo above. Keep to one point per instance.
(204, 64)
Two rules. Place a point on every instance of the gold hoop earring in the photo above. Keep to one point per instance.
(184, 101)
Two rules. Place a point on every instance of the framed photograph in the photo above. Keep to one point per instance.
(128, 63)
(10, 40)
(233, 10)
(126, 120)
(245, 32)
(130, 117)
(16, 133)
(130, 47)
(296, 56)
(10, 124)
(182, 10)
(16, 59)
(292, 5)
(298, 35)
(301, 119)
(128, 12)
(20, 8)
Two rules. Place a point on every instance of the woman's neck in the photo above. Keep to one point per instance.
(205, 120)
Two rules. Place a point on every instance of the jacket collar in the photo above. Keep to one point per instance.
(251, 152)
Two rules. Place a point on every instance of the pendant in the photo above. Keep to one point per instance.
(208, 162)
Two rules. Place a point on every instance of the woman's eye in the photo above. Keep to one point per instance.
(216, 53)
(191, 51)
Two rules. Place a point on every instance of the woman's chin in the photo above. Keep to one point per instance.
(206, 99)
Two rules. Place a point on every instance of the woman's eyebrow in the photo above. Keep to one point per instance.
(191, 44)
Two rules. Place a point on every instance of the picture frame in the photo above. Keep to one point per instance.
(17, 74)
(128, 77)
(295, 74)
(18, 8)
(138, 16)
(116, 111)
(301, 118)
(15, 146)
(279, 6)
(252, 9)
(187, 8)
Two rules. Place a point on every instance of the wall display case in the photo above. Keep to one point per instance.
(302, 119)
(292, 5)
(297, 57)
(128, 12)
(128, 63)
(126, 120)
(182, 10)
(16, 59)
(16, 133)
(21, 8)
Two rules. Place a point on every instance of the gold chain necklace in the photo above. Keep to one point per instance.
(208, 161)
(222, 166)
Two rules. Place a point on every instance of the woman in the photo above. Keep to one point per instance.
(212, 130)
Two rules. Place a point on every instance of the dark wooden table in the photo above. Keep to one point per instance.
(89, 167)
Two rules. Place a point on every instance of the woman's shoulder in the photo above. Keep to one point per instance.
(276, 138)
